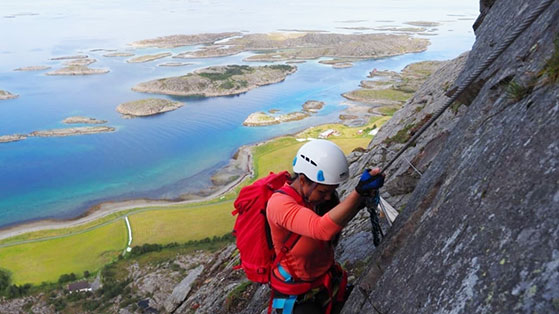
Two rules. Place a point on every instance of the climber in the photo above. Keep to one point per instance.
(307, 280)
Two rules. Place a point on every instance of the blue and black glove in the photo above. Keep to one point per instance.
(368, 183)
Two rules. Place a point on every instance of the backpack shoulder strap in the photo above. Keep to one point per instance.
(288, 244)
(290, 191)
(292, 238)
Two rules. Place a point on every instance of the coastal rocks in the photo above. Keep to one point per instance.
(147, 58)
(82, 120)
(218, 80)
(183, 40)
(12, 138)
(237, 169)
(33, 68)
(73, 131)
(262, 118)
(147, 107)
(181, 291)
(313, 106)
(4, 95)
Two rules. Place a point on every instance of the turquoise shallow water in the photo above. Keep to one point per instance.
(154, 157)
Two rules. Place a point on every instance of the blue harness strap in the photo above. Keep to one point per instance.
(286, 304)
(285, 274)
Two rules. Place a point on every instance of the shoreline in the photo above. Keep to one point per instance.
(104, 209)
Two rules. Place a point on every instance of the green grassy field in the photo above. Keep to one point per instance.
(47, 260)
(182, 224)
(43, 234)
(389, 94)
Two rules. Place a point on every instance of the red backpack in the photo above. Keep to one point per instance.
(252, 231)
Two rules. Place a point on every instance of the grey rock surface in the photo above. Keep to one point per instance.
(401, 177)
(181, 291)
(479, 233)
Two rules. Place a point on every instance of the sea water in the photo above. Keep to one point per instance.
(165, 155)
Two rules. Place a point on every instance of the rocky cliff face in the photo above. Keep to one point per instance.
(479, 232)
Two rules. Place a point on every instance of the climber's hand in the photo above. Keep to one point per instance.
(370, 180)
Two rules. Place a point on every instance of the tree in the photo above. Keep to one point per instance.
(5, 279)
(66, 278)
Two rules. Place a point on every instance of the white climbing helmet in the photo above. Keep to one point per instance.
(322, 162)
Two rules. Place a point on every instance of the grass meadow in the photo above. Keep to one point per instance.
(46, 260)
(181, 224)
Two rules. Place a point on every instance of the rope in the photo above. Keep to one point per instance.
(507, 41)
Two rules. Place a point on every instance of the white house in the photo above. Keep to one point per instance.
(80, 286)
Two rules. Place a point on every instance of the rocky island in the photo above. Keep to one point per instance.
(57, 132)
(147, 107)
(183, 40)
(423, 23)
(77, 65)
(263, 118)
(147, 58)
(73, 131)
(175, 64)
(118, 54)
(80, 62)
(82, 120)
(33, 68)
(12, 138)
(77, 70)
(70, 57)
(304, 46)
(313, 106)
(218, 80)
(6, 95)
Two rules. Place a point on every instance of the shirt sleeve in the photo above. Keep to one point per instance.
(284, 211)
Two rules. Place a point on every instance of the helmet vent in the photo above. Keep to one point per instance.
(309, 160)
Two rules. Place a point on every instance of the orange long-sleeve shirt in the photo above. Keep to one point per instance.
(313, 253)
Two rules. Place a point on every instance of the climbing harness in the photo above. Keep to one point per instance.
(373, 202)
(333, 282)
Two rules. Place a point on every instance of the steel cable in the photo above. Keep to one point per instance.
(507, 41)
